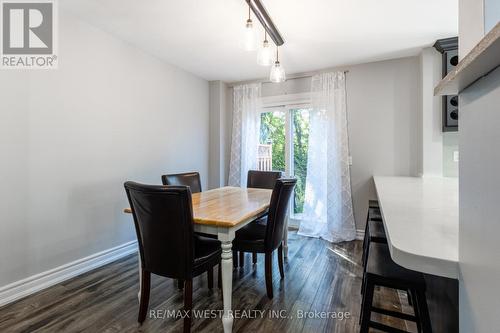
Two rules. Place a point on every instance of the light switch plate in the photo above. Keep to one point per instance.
(455, 156)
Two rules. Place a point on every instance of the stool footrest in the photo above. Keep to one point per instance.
(396, 314)
(385, 328)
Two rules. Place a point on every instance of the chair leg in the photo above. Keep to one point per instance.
(423, 311)
(235, 259)
(269, 274)
(242, 258)
(254, 257)
(144, 301)
(280, 261)
(210, 278)
(188, 304)
(219, 279)
(180, 284)
(366, 309)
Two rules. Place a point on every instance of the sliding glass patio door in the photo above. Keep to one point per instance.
(283, 146)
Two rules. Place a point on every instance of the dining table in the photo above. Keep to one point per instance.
(221, 212)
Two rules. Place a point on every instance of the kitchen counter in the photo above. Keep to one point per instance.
(420, 215)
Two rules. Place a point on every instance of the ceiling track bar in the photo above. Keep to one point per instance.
(263, 16)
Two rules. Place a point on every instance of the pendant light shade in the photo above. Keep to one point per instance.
(277, 74)
(265, 56)
(249, 42)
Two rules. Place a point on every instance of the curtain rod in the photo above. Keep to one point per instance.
(290, 77)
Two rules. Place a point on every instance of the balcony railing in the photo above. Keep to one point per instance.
(265, 158)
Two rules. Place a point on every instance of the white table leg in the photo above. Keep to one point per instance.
(227, 284)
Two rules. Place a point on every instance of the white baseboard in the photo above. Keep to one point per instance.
(34, 283)
(360, 234)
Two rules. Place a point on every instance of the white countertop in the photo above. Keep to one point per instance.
(421, 222)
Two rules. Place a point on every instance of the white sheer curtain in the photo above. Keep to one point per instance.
(246, 129)
(328, 204)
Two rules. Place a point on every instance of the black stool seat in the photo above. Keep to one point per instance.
(376, 231)
(380, 265)
(380, 270)
(374, 214)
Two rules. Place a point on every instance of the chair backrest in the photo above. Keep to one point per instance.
(191, 179)
(278, 209)
(263, 179)
(163, 219)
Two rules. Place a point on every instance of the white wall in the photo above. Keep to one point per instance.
(491, 14)
(470, 25)
(218, 134)
(383, 107)
(450, 147)
(479, 199)
(431, 136)
(70, 137)
(475, 19)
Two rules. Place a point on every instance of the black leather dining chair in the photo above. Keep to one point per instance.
(191, 179)
(168, 247)
(263, 179)
(257, 179)
(266, 237)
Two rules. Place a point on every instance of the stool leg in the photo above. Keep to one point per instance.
(423, 311)
(416, 310)
(363, 256)
(366, 235)
(409, 295)
(363, 282)
(367, 306)
(364, 266)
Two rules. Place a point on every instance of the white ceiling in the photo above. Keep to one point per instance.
(202, 36)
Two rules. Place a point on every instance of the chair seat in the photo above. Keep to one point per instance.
(207, 253)
(377, 232)
(381, 267)
(251, 237)
(261, 220)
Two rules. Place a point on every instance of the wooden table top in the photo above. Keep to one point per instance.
(228, 206)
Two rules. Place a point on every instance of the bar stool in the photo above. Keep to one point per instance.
(373, 214)
(374, 229)
(376, 234)
(373, 204)
(382, 271)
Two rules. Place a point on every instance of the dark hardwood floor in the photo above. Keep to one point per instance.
(318, 277)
